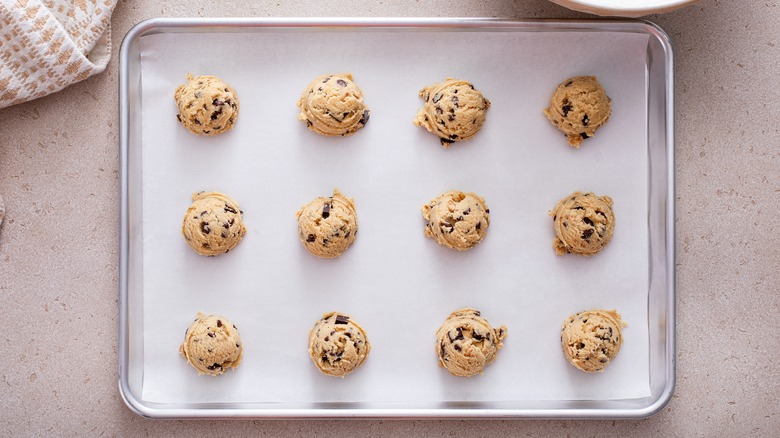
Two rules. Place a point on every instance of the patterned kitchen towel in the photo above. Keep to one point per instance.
(46, 45)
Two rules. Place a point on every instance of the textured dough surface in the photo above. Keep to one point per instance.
(333, 105)
(212, 345)
(591, 339)
(453, 110)
(213, 224)
(578, 107)
(207, 105)
(338, 345)
(583, 223)
(456, 220)
(466, 343)
(327, 226)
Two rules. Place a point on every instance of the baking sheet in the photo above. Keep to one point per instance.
(396, 283)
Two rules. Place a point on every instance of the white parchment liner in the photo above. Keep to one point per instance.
(396, 283)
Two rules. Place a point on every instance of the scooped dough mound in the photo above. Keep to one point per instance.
(327, 226)
(213, 224)
(333, 105)
(457, 220)
(578, 107)
(338, 345)
(212, 345)
(453, 110)
(592, 339)
(466, 343)
(207, 105)
(583, 223)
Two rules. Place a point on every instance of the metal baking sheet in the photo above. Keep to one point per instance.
(271, 164)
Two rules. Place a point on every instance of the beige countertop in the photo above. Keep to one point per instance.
(59, 176)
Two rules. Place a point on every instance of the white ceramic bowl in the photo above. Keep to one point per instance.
(624, 8)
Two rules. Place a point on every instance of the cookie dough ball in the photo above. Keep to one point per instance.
(213, 224)
(333, 105)
(578, 107)
(207, 106)
(457, 220)
(466, 343)
(453, 111)
(584, 224)
(338, 345)
(212, 345)
(328, 226)
(591, 339)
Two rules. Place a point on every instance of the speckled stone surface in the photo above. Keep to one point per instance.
(59, 251)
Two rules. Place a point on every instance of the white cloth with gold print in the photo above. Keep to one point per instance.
(46, 45)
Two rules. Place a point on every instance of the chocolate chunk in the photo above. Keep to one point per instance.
(204, 226)
(439, 110)
(311, 238)
(587, 221)
(326, 79)
(238, 346)
(217, 102)
(584, 136)
(451, 117)
(178, 116)
(565, 109)
(346, 234)
(342, 319)
(325, 242)
(466, 212)
(215, 366)
(212, 335)
(308, 123)
(471, 86)
(479, 225)
(219, 323)
(229, 209)
(455, 101)
(216, 114)
(477, 335)
(477, 312)
(585, 120)
(446, 140)
(488, 212)
(443, 351)
(460, 218)
(454, 137)
(460, 334)
(234, 326)
(196, 121)
(326, 210)
(327, 338)
(365, 117)
(342, 82)
(586, 234)
(568, 84)
(446, 226)
(224, 235)
(456, 347)
(436, 97)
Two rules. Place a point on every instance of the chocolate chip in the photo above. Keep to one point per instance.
(436, 97)
(234, 326)
(479, 225)
(586, 234)
(238, 346)
(217, 127)
(212, 335)
(311, 238)
(229, 209)
(219, 323)
(460, 334)
(453, 137)
(446, 226)
(215, 366)
(456, 347)
(488, 212)
(224, 234)
(365, 117)
(584, 136)
(216, 114)
(342, 82)
(446, 140)
(178, 116)
(565, 109)
(217, 102)
(206, 131)
(578, 207)
(478, 336)
(585, 120)
(455, 101)
(587, 221)
(325, 242)
(197, 122)
(346, 234)
(342, 319)
(471, 86)
(466, 212)
(601, 214)
(439, 110)
(327, 338)
(443, 351)
(568, 84)
(460, 218)
(451, 117)
(204, 226)
(326, 210)
(198, 94)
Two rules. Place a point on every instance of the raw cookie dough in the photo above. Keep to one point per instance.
(578, 107)
(583, 224)
(338, 345)
(213, 224)
(328, 226)
(333, 105)
(457, 220)
(212, 345)
(591, 339)
(207, 106)
(466, 343)
(453, 111)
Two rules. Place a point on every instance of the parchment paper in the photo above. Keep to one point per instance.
(399, 285)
